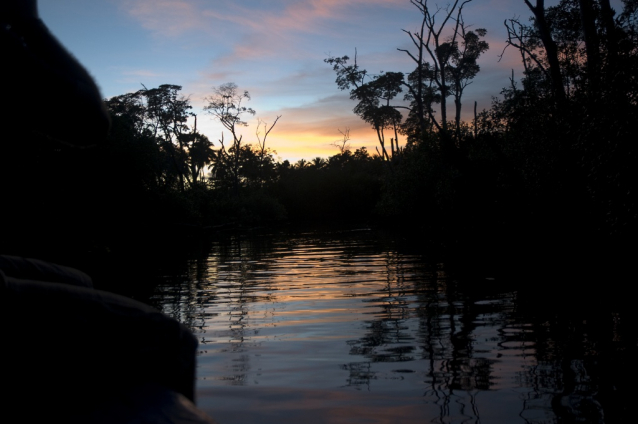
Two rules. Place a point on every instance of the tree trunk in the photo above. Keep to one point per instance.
(588, 20)
(457, 103)
(551, 50)
(610, 39)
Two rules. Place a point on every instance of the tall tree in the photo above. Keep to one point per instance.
(551, 50)
(200, 154)
(446, 62)
(446, 58)
(464, 67)
(239, 160)
(374, 99)
(225, 105)
(160, 114)
(168, 112)
(261, 142)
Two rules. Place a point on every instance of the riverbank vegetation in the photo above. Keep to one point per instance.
(548, 171)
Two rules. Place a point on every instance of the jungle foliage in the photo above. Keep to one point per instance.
(549, 168)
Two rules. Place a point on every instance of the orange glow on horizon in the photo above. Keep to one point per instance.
(294, 141)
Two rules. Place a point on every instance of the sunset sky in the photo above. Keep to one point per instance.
(274, 49)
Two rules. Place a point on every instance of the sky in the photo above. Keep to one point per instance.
(274, 49)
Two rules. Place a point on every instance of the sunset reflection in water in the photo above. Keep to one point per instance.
(340, 327)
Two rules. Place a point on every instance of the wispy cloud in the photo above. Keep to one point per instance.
(168, 18)
(133, 78)
(141, 73)
(253, 29)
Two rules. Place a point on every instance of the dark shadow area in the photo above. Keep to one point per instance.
(73, 353)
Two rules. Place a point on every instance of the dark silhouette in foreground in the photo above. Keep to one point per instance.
(86, 355)
(74, 353)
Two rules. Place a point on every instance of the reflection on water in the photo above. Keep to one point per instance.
(340, 327)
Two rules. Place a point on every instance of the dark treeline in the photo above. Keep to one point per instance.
(547, 174)
(232, 182)
(547, 171)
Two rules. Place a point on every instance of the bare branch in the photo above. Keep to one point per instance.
(343, 144)
(262, 143)
(516, 39)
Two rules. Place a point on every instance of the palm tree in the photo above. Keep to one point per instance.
(200, 154)
(318, 162)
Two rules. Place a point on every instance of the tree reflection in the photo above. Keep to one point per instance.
(443, 338)
(586, 360)
(220, 283)
(463, 348)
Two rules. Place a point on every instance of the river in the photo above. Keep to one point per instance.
(351, 327)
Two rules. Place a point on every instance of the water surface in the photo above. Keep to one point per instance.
(346, 326)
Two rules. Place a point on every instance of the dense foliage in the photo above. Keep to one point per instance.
(549, 170)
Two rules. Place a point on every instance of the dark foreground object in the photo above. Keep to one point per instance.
(76, 354)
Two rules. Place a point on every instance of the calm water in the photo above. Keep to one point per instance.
(341, 327)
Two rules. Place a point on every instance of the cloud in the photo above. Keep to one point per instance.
(252, 29)
(168, 18)
(141, 73)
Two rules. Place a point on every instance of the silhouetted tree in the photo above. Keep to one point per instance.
(200, 154)
(161, 114)
(167, 113)
(265, 156)
(450, 66)
(225, 105)
(444, 67)
(373, 99)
